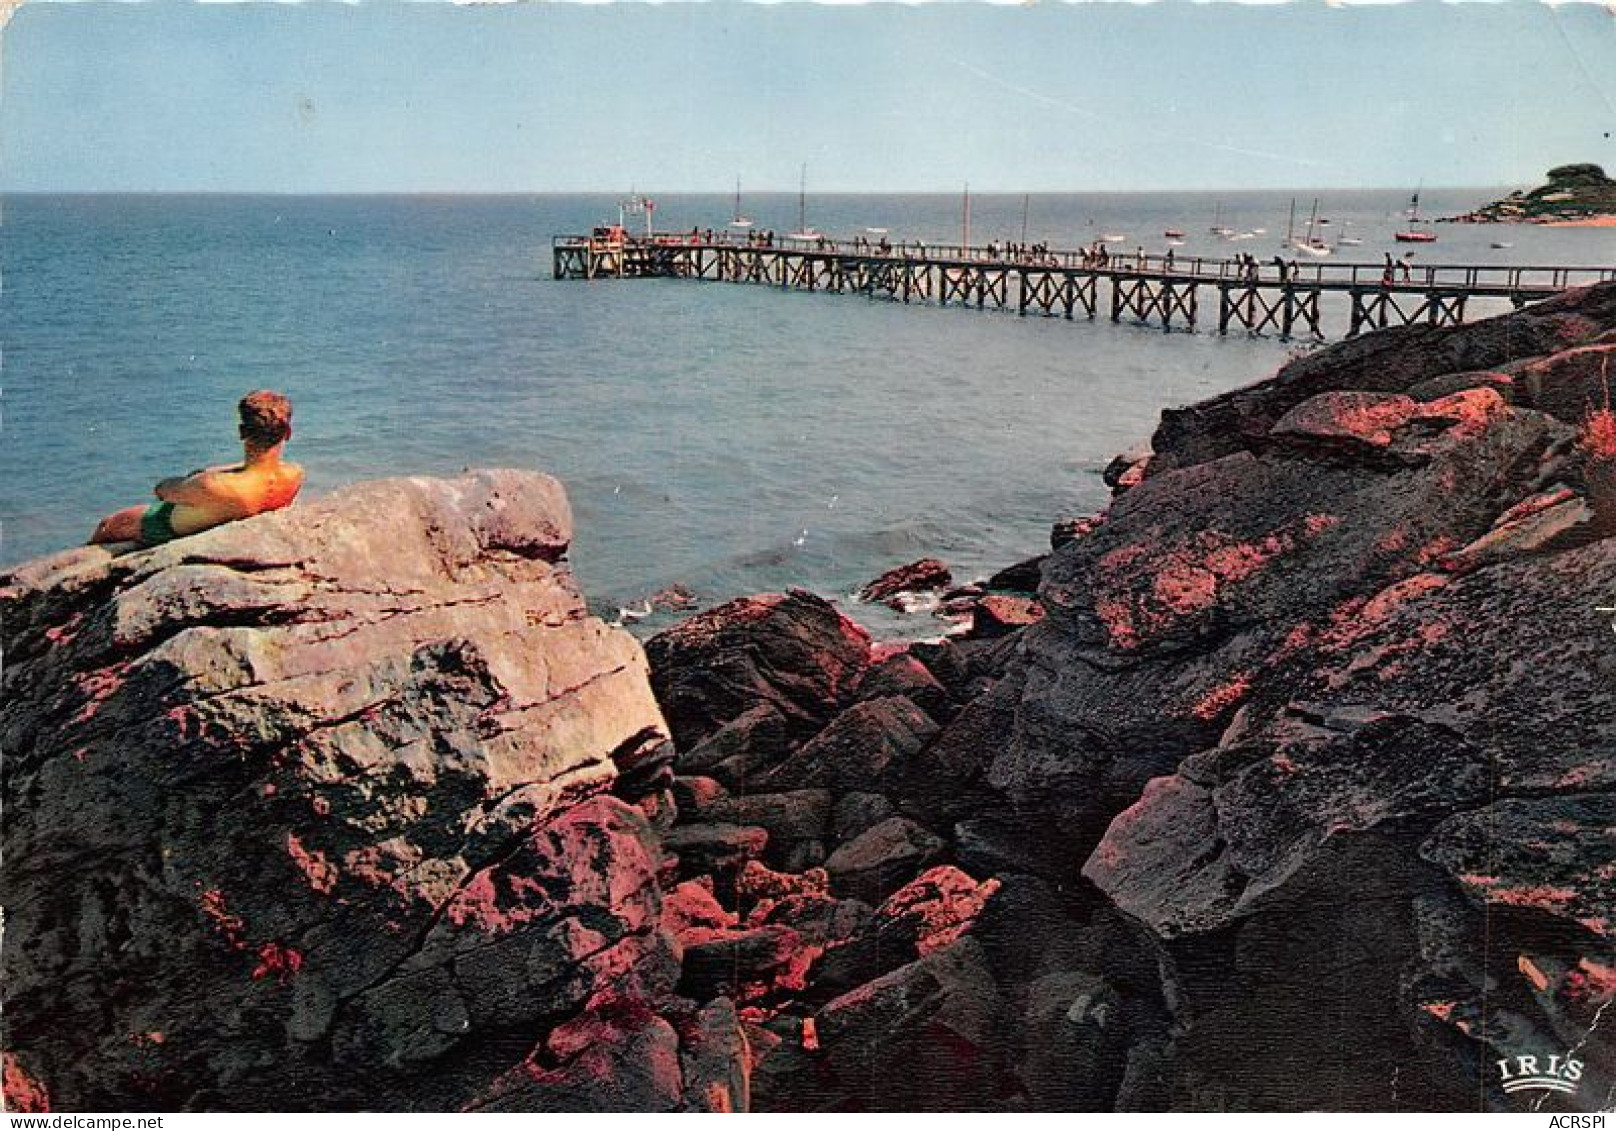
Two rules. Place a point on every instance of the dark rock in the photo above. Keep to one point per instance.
(727, 961)
(1032, 928)
(1120, 467)
(941, 1018)
(904, 675)
(742, 748)
(792, 651)
(923, 576)
(615, 1057)
(644, 764)
(1005, 839)
(995, 616)
(858, 747)
(1567, 385)
(1068, 530)
(944, 782)
(882, 858)
(1181, 861)
(1075, 1047)
(1158, 629)
(714, 1058)
(946, 663)
(1147, 1080)
(1435, 388)
(1550, 855)
(986, 661)
(1301, 736)
(789, 818)
(1023, 577)
(821, 920)
(931, 912)
(705, 848)
(856, 812)
(693, 792)
(801, 855)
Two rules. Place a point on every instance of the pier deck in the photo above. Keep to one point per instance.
(1148, 289)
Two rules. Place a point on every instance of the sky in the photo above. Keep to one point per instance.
(684, 97)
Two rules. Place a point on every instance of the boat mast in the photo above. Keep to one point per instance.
(966, 246)
(1290, 228)
(802, 202)
(1024, 199)
(737, 197)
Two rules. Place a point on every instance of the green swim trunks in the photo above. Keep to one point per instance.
(155, 525)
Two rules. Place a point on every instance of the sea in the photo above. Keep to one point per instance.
(722, 439)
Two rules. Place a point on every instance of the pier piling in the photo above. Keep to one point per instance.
(1148, 289)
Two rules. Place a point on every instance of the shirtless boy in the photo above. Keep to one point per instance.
(193, 503)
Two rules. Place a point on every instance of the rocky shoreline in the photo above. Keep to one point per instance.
(1286, 783)
(1573, 195)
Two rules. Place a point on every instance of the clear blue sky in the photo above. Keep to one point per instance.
(681, 97)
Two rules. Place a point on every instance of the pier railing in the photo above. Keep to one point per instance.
(1280, 292)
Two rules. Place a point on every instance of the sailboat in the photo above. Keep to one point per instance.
(1414, 234)
(739, 221)
(1310, 244)
(803, 232)
(1219, 228)
(1345, 240)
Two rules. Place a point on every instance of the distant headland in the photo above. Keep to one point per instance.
(1575, 196)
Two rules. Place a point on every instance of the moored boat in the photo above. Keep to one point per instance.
(1413, 233)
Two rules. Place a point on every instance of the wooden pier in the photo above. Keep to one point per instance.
(1148, 289)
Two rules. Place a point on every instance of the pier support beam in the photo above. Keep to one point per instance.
(1150, 290)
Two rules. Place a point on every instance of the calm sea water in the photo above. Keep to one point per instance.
(728, 439)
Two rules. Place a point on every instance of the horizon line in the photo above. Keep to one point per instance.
(682, 192)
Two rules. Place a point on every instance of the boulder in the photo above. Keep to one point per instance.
(714, 847)
(742, 748)
(923, 576)
(792, 651)
(789, 818)
(997, 615)
(322, 796)
(902, 674)
(725, 962)
(1075, 1044)
(882, 858)
(1391, 361)
(858, 748)
(856, 812)
(1065, 531)
(1023, 577)
(940, 1018)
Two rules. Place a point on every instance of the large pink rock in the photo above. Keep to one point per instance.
(313, 810)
